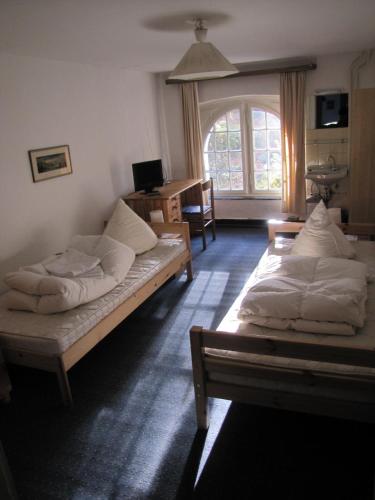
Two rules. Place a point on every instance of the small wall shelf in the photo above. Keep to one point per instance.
(312, 142)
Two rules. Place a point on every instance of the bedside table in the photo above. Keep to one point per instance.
(283, 226)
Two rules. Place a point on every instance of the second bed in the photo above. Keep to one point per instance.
(316, 373)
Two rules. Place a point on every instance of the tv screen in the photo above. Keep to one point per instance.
(147, 175)
(332, 111)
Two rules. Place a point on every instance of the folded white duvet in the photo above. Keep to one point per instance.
(313, 294)
(72, 263)
(33, 288)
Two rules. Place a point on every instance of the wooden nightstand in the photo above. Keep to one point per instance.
(283, 226)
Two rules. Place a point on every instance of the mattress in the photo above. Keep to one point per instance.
(365, 337)
(53, 334)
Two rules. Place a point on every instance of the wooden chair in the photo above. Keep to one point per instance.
(201, 214)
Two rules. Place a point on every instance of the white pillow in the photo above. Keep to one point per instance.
(128, 228)
(322, 238)
(115, 258)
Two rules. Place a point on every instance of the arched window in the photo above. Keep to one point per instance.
(242, 145)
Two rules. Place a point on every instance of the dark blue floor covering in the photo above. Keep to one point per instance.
(132, 433)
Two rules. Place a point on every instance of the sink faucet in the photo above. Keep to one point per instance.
(331, 162)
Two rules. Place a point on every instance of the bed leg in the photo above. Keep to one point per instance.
(64, 385)
(189, 270)
(201, 402)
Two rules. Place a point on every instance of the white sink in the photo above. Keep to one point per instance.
(326, 174)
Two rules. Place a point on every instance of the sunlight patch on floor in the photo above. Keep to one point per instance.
(207, 288)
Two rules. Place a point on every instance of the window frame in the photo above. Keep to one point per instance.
(211, 111)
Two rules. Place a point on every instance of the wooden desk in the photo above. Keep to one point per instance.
(170, 199)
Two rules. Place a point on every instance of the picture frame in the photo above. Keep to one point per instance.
(50, 162)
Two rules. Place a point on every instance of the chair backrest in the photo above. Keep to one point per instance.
(208, 194)
(202, 195)
(206, 185)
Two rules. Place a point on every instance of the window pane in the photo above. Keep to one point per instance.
(235, 141)
(223, 155)
(221, 141)
(261, 181)
(210, 144)
(235, 159)
(234, 119)
(223, 181)
(221, 124)
(275, 180)
(266, 156)
(259, 119)
(211, 160)
(260, 160)
(274, 139)
(260, 139)
(222, 161)
(273, 121)
(205, 159)
(236, 181)
(274, 160)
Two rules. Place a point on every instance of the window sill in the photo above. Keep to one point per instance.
(247, 197)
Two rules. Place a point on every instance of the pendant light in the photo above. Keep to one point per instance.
(202, 61)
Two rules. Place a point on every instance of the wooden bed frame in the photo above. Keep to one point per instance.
(204, 365)
(60, 364)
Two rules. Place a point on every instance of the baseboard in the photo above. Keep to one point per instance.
(260, 223)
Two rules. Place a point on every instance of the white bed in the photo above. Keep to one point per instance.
(323, 374)
(55, 342)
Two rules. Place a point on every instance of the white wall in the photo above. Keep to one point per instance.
(333, 71)
(367, 75)
(109, 118)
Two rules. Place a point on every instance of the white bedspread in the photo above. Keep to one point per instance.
(34, 289)
(311, 294)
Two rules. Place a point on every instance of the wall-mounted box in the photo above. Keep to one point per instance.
(331, 110)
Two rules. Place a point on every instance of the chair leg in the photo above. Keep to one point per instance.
(204, 237)
(213, 228)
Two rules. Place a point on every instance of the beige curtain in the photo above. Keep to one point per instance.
(292, 105)
(192, 131)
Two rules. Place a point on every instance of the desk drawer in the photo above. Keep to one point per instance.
(174, 209)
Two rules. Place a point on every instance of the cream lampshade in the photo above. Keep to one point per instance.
(203, 60)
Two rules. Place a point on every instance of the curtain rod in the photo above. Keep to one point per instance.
(256, 72)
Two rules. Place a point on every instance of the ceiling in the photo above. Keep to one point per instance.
(152, 35)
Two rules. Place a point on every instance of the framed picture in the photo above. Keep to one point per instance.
(50, 162)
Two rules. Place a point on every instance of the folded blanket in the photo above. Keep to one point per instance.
(313, 294)
(33, 288)
(72, 263)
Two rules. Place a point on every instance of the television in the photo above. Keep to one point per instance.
(331, 110)
(147, 175)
